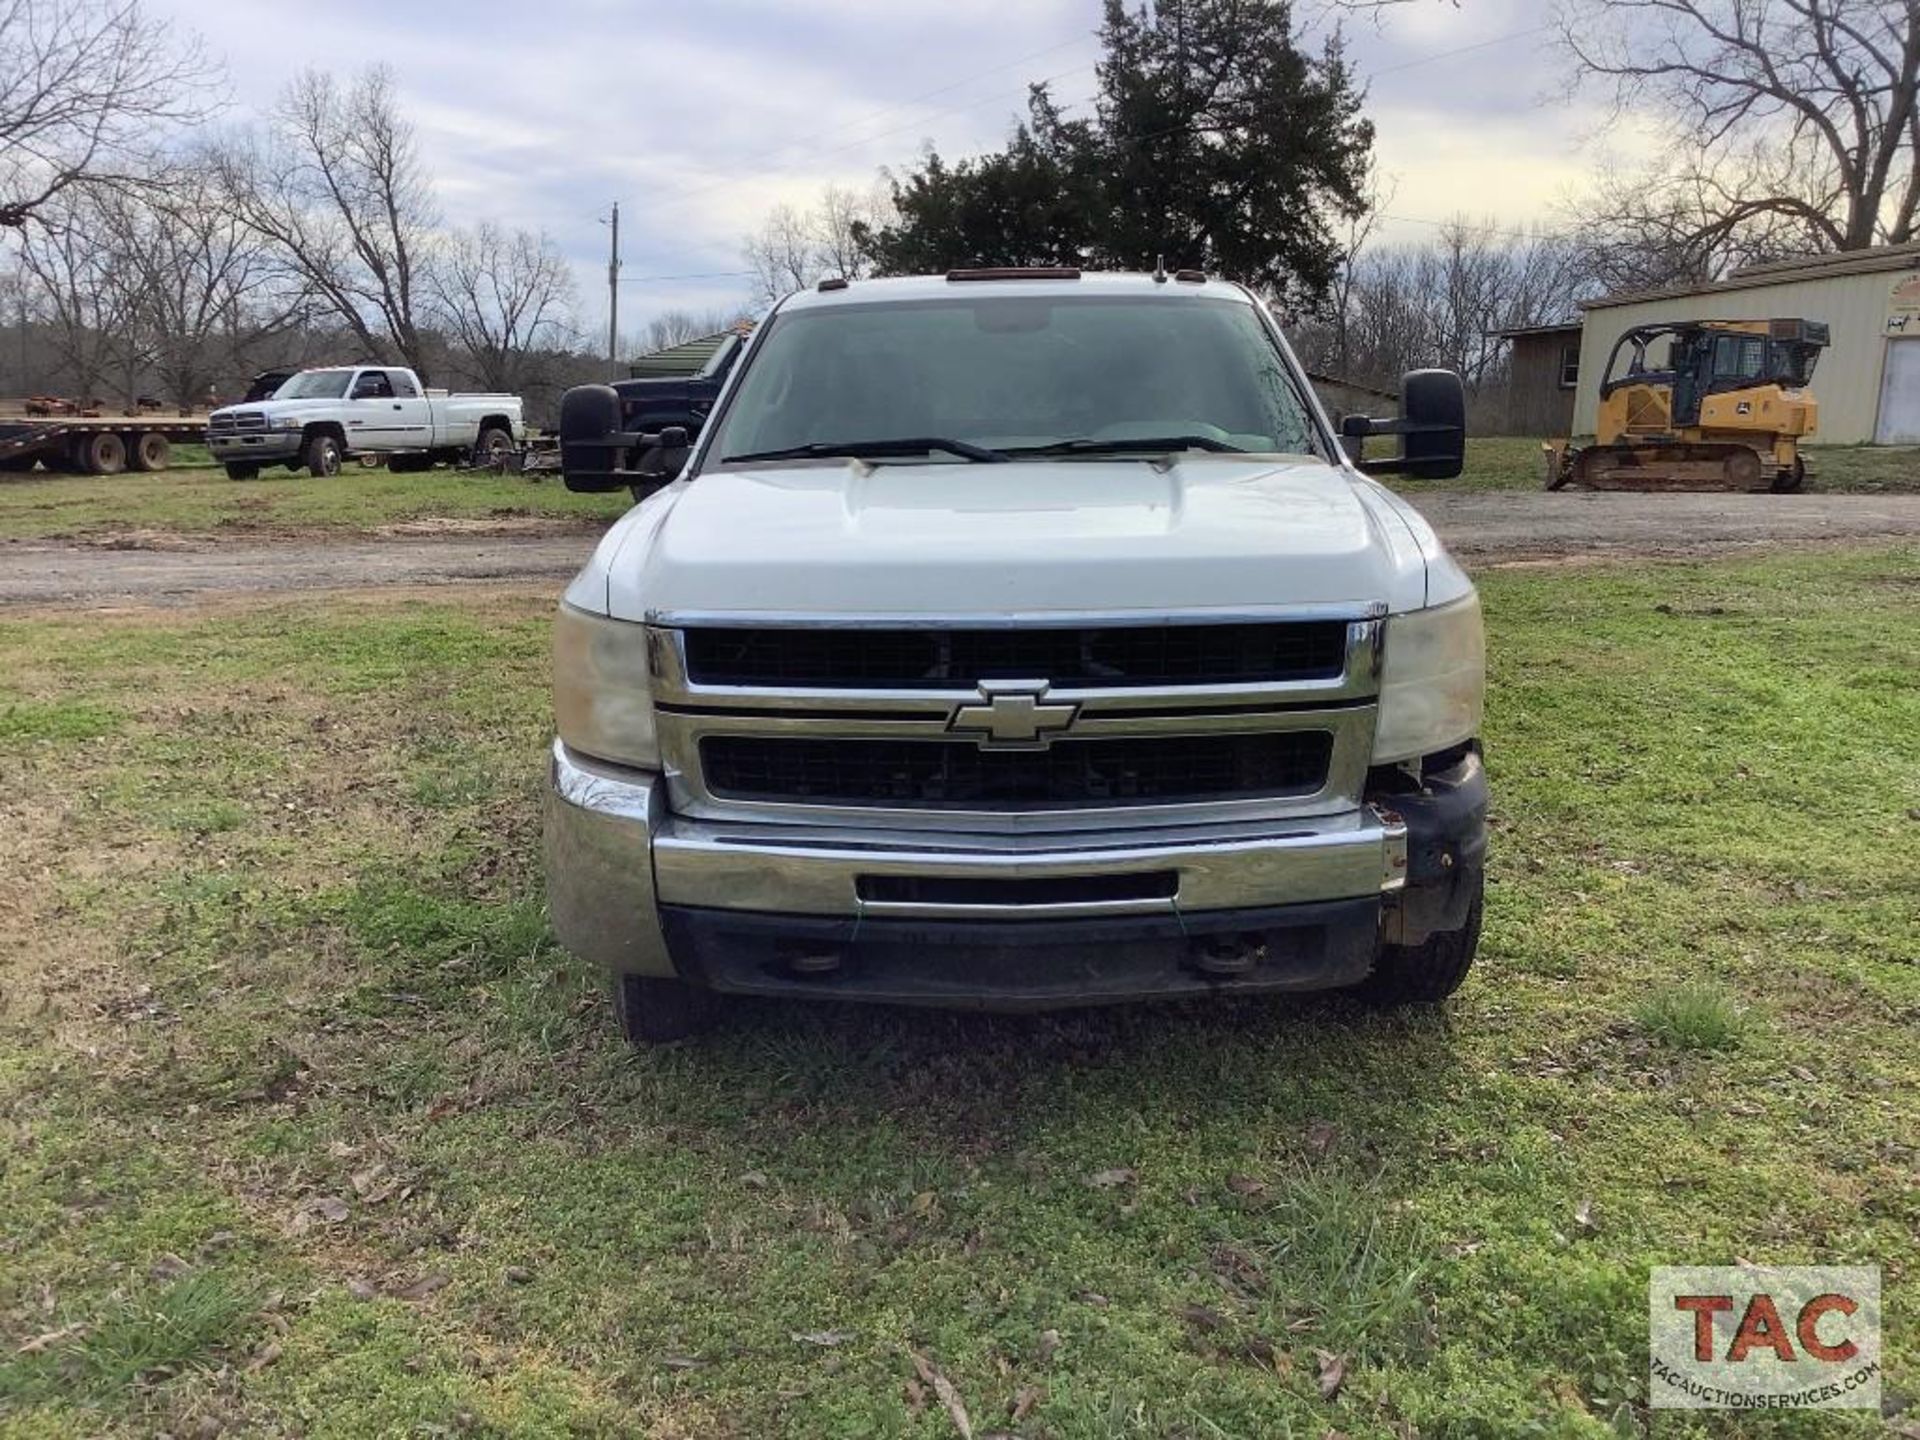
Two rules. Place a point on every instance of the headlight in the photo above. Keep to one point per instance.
(602, 701)
(287, 424)
(1434, 685)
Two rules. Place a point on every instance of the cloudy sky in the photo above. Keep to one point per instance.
(698, 115)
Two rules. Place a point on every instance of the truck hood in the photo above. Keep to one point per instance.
(275, 409)
(1028, 538)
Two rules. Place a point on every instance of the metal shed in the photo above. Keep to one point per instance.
(1868, 381)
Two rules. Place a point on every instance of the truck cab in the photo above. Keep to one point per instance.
(1016, 639)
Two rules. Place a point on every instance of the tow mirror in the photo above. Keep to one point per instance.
(1432, 423)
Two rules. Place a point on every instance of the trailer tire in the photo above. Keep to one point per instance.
(104, 453)
(243, 470)
(492, 447)
(151, 451)
(322, 454)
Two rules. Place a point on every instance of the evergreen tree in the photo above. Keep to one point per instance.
(1216, 142)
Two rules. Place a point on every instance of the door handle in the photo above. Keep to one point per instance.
(396, 405)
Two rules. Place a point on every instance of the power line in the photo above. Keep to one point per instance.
(704, 275)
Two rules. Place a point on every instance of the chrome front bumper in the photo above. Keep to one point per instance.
(254, 445)
(618, 863)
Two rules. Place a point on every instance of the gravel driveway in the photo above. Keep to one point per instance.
(1482, 528)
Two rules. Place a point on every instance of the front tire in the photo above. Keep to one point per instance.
(322, 455)
(1427, 973)
(654, 1011)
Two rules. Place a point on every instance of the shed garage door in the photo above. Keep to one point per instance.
(1900, 395)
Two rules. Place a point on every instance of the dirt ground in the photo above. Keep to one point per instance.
(1483, 529)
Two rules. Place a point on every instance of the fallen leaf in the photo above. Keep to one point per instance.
(339, 1149)
(1024, 1399)
(754, 1180)
(265, 1357)
(1263, 1351)
(1202, 1318)
(361, 1290)
(824, 1337)
(949, 1397)
(50, 1338)
(916, 1396)
(1583, 1216)
(1320, 1136)
(924, 1202)
(1333, 1372)
(518, 1275)
(1049, 1342)
(365, 1180)
(422, 1288)
(1246, 1185)
(321, 1210)
(681, 1362)
(1109, 1179)
(1093, 1298)
(168, 1266)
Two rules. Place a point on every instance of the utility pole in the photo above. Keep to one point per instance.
(613, 298)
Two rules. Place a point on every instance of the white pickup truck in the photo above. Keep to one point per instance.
(1015, 639)
(318, 418)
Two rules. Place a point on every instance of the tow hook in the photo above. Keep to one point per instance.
(1228, 955)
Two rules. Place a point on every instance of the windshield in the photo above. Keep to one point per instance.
(1017, 373)
(315, 385)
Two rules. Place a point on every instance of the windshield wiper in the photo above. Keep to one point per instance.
(1149, 445)
(875, 449)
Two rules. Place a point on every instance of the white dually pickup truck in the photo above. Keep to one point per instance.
(1014, 639)
(318, 418)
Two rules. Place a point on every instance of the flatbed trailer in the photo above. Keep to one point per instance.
(95, 444)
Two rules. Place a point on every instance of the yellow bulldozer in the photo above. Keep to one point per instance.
(1727, 410)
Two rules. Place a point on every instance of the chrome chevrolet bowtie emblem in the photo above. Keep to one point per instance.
(1014, 716)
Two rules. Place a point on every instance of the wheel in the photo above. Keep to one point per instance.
(323, 455)
(1791, 482)
(104, 453)
(243, 470)
(151, 451)
(1427, 973)
(492, 448)
(653, 1011)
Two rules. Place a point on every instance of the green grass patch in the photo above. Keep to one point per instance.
(202, 500)
(1692, 1017)
(1513, 462)
(282, 1005)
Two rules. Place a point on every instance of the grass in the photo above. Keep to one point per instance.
(197, 499)
(309, 1128)
(201, 500)
(1513, 462)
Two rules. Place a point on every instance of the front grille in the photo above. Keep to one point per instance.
(238, 422)
(958, 659)
(948, 774)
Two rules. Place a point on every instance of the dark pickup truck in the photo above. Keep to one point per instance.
(636, 412)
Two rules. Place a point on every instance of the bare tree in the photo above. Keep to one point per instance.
(1687, 224)
(76, 267)
(208, 292)
(782, 254)
(795, 248)
(1798, 111)
(676, 327)
(503, 299)
(87, 90)
(339, 191)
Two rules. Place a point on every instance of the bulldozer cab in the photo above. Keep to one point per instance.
(1709, 357)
